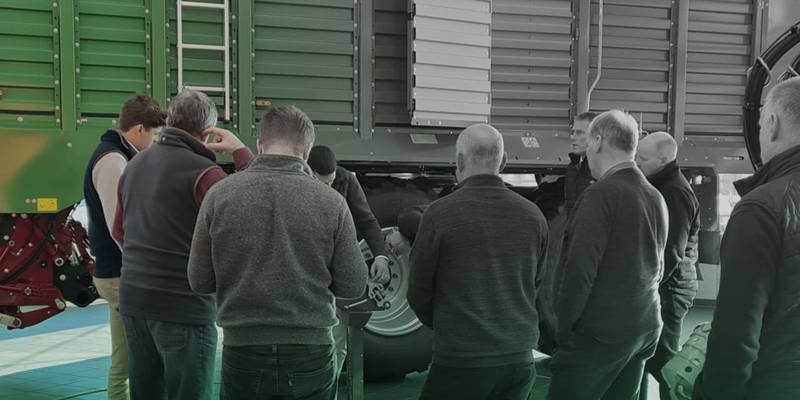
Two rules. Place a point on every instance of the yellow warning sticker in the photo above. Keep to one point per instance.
(47, 205)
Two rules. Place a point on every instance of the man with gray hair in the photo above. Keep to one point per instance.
(754, 344)
(170, 330)
(276, 245)
(475, 270)
(607, 301)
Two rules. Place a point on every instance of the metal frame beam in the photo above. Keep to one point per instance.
(677, 104)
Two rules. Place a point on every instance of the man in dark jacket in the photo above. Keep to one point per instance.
(323, 165)
(754, 345)
(475, 288)
(607, 302)
(656, 157)
(578, 176)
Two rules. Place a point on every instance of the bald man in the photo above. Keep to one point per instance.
(754, 345)
(656, 157)
(608, 273)
(475, 271)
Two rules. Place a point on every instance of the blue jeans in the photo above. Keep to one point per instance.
(285, 371)
(168, 360)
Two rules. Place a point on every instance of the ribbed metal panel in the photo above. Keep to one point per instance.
(391, 63)
(305, 56)
(451, 62)
(27, 57)
(113, 55)
(636, 59)
(531, 65)
(719, 54)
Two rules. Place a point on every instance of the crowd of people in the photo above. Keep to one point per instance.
(182, 248)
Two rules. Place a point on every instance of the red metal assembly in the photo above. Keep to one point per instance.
(44, 262)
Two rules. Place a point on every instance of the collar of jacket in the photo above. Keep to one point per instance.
(783, 164)
(273, 162)
(576, 158)
(115, 137)
(180, 138)
(481, 180)
(670, 171)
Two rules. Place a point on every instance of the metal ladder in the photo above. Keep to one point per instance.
(225, 48)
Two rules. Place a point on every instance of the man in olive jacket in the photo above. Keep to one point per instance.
(656, 157)
(754, 345)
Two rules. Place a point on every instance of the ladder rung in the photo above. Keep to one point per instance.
(195, 4)
(206, 88)
(203, 47)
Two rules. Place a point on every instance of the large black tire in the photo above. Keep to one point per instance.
(395, 342)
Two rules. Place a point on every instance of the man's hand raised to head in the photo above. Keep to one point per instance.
(224, 141)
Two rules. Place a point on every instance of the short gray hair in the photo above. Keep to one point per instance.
(192, 112)
(784, 101)
(618, 129)
(289, 126)
(481, 145)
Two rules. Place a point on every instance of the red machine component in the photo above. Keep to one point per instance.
(44, 261)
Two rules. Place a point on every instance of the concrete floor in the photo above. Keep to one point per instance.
(67, 357)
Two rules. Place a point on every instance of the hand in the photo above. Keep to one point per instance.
(379, 272)
(224, 141)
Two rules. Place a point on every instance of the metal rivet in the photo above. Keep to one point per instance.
(147, 62)
(78, 96)
(77, 44)
(58, 108)
(55, 56)
(77, 70)
(147, 11)
(55, 30)
(58, 120)
(27, 201)
(69, 145)
(20, 119)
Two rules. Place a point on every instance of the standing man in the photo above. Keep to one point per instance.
(754, 345)
(276, 259)
(607, 300)
(139, 122)
(579, 175)
(656, 158)
(323, 165)
(474, 272)
(171, 335)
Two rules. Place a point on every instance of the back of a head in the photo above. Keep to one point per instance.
(142, 109)
(322, 160)
(784, 101)
(587, 116)
(192, 112)
(481, 147)
(663, 145)
(618, 129)
(287, 127)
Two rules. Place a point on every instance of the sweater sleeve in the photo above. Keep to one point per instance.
(364, 220)
(681, 212)
(348, 273)
(423, 261)
(589, 231)
(749, 257)
(200, 271)
(105, 177)
(241, 159)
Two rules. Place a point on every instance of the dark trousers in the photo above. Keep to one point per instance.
(507, 382)
(674, 307)
(285, 371)
(168, 360)
(587, 369)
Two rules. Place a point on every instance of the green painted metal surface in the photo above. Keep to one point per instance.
(66, 67)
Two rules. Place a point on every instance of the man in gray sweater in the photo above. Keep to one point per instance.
(276, 245)
(475, 270)
(610, 266)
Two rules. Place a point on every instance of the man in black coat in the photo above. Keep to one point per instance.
(754, 345)
(607, 301)
(656, 157)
